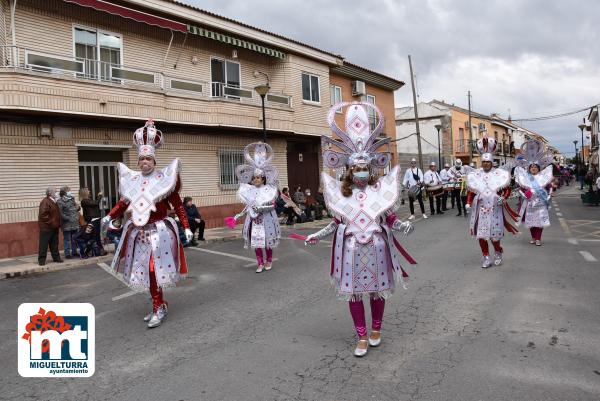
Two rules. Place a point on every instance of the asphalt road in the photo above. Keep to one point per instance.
(528, 330)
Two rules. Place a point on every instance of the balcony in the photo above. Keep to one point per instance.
(23, 60)
(462, 147)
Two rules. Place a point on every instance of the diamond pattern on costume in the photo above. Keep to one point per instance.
(366, 206)
(143, 192)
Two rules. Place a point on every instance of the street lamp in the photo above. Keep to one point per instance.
(575, 143)
(582, 127)
(504, 149)
(262, 90)
(438, 127)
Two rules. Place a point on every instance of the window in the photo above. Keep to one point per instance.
(229, 159)
(224, 73)
(98, 50)
(310, 88)
(336, 95)
(372, 112)
(461, 140)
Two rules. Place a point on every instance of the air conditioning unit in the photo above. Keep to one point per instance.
(359, 88)
(467, 124)
(45, 131)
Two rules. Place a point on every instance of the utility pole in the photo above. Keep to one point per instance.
(470, 129)
(412, 81)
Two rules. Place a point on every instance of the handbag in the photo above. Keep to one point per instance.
(82, 221)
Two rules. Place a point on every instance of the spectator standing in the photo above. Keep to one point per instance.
(69, 216)
(49, 223)
(91, 213)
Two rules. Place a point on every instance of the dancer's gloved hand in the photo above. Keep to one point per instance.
(312, 239)
(406, 227)
(500, 201)
(238, 216)
(189, 235)
(468, 207)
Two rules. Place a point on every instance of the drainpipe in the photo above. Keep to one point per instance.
(13, 34)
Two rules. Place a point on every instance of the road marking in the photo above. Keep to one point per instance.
(589, 240)
(222, 254)
(556, 208)
(565, 226)
(231, 256)
(127, 294)
(559, 214)
(588, 256)
(573, 241)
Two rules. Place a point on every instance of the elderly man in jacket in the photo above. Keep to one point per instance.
(49, 223)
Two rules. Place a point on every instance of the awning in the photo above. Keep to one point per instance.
(131, 14)
(234, 41)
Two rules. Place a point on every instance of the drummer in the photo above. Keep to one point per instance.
(447, 186)
(435, 188)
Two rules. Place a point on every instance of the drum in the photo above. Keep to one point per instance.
(449, 186)
(414, 191)
(435, 190)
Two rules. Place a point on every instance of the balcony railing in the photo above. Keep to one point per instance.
(462, 146)
(22, 59)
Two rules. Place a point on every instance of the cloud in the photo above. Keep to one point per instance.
(530, 56)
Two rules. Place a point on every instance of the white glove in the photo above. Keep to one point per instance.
(189, 235)
(406, 227)
(312, 239)
(500, 201)
(105, 220)
(467, 207)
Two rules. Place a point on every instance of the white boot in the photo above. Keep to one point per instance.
(158, 316)
(487, 262)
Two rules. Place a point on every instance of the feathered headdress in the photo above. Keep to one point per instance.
(147, 139)
(358, 144)
(486, 147)
(258, 164)
(533, 152)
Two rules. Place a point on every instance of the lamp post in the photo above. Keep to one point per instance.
(582, 127)
(262, 90)
(504, 150)
(575, 143)
(438, 127)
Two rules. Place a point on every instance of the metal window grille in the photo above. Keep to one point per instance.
(229, 159)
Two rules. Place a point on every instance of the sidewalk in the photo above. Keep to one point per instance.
(25, 265)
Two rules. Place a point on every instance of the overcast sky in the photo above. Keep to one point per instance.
(534, 57)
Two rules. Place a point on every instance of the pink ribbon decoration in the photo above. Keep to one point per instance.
(230, 221)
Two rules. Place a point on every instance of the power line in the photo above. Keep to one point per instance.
(553, 116)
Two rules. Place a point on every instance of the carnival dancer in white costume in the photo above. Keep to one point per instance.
(365, 257)
(534, 176)
(258, 191)
(149, 248)
(489, 188)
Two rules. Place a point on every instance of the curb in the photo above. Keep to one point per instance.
(52, 267)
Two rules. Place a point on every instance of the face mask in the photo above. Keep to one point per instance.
(361, 174)
(56, 195)
(70, 194)
(308, 193)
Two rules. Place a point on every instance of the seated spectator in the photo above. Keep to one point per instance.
(86, 242)
(195, 219)
(299, 198)
(291, 209)
(113, 233)
(91, 213)
(313, 209)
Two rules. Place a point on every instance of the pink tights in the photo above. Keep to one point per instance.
(536, 233)
(259, 255)
(357, 310)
